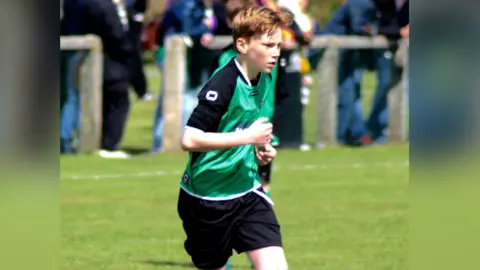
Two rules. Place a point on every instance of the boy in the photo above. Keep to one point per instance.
(221, 202)
(233, 7)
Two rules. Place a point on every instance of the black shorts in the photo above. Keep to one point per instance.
(215, 228)
(265, 172)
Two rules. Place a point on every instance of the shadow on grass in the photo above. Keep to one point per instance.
(136, 151)
(186, 265)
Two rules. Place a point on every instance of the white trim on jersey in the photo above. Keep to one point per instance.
(263, 195)
(242, 72)
(223, 198)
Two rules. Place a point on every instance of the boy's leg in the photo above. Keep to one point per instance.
(259, 233)
(208, 226)
(269, 258)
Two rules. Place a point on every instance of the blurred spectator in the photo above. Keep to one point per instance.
(153, 16)
(197, 21)
(392, 17)
(72, 23)
(155, 10)
(108, 19)
(351, 19)
(310, 27)
(313, 54)
(136, 16)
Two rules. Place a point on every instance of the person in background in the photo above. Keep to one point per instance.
(310, 28)
(351, 19)
(72, 23)
(392, 22)
(108, 20)
(314, 54)
(136, 16)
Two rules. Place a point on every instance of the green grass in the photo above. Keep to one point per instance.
(340, 208)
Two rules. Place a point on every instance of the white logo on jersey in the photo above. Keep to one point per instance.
(185, 178)
(211, 95)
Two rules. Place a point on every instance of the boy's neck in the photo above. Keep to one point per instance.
(250, 72)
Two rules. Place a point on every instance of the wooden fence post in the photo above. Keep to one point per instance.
(174, 77)
(90, 87)
(327, 98)
(397, 97)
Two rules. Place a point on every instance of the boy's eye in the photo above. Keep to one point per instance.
(271, 45)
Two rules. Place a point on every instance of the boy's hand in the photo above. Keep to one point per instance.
(260, 132)
(265, 154)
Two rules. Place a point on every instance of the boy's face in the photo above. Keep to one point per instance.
(262, 50)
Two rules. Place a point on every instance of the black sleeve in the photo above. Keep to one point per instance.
(213, 102)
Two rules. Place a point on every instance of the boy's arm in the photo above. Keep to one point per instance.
(201, 133)
(196, 140)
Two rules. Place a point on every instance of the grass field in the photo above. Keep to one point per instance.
(340, 208)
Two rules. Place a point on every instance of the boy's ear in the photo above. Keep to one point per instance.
(242, 45)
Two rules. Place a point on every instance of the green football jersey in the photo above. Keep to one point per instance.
(269, 106)
(229, 102)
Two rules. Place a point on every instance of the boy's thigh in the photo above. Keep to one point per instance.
(258, 227)
(208, 227)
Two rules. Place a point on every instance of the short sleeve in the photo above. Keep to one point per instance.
(213, 102)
